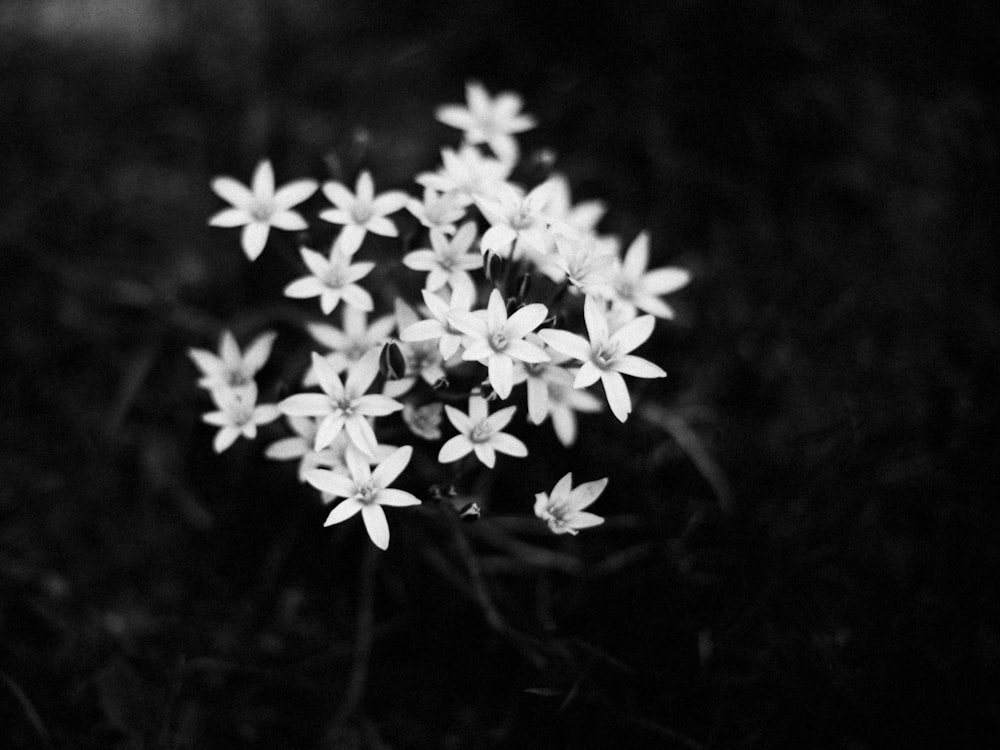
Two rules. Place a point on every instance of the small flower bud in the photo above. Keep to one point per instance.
(442, 491)
(391, 362)
(524, 287)
(492, 266)
(470, 512)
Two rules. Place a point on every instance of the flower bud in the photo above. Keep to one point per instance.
(391, 362)
(492, 266)
(470, 512)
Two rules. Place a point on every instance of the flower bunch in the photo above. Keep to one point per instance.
(518, 288)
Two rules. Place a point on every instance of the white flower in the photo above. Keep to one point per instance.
(438, 210)
(481, 432)
(438, 327)
(496, 340)
(424, 421)
(350, 343)
(607, 356)
(467, 173)
(582, 262)
(634, 287)
(232, 368)
(490, 121)
(332, 278)
(448, 261)
(517, 221)
(538, 375)
(560, 211)
(260, 207)
(238, 414)
(563, 510)
(423, 358)
(361, 211)
(563, 402)
(366, 490)
(299, 446)
(343, 405)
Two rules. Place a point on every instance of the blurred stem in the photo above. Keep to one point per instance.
(465, 551)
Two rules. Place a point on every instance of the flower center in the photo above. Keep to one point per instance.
(535, 368)
(366, 493)
(499, 340)
(361, 212)
(262, 211)
(482, 432)
(605, 354)
(237, 378)
(345, 405)
(335, 277)
(625, 288)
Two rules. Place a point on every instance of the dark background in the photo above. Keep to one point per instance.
(802, 540)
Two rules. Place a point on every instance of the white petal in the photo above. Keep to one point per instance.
(486, 454)
(343, 511)
(525, 320)
(306, 405)
(262, 182)
(638, 367)
(665, 280)
(617, 394)
(538, 400)
(332, 482)
(294, 193)
(501, 418)
(506, 443)
(387, 471)
(233, 191)
(454, 449)
(305, 288)
(327, 377)
(636, 257)
(397, 498)
(290, 221)
(377, 525)
(361, 434)
(225, 438)
(634, 333)
(587, 376)
(339, 196)
(253, 238)
(596, 319)
(230, 217)
(501, 371)
(458, 418)
(587, 493)
(567, 343)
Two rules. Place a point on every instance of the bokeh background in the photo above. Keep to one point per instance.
(802, 545)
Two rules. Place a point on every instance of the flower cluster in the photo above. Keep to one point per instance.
(518, 288)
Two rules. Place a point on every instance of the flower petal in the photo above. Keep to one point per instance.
(486, 454)
(567, 343)
(306, 405)
(501, 372)
(294, 193)
(638, 367)
(454, 449)
(587, 493)
(343, 511)
(330, 481)
(233, 191)
(230, 217)
(262, 182)
(327, 377)
(377, 525)
(254, 237)
(504, 442)
(525, 320)
(617, 394)
(397, 498)
(390, 468)
(634, 333)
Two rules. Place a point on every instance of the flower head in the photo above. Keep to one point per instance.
(238, 414)
(260, 207)
(517, 221)
(353, 340)
(361, 211)
(607, 356)
(439, 327)
(232, 368)
(466, 173)
(635, 287)
(563, 510)
(438, 210)
(366, 490)
(481, 432)
(492, 121)
(496, 340)
(332, 279)
(343, 405)
(448, 261)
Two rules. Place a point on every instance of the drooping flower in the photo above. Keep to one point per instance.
(343, 406)
(496, 340)
(232, 368)
(492, 121)
(448, 261)
(564, 510)
(366, 491)
(260, 207)
(439, 211)
(635, 287)
(439, 327)
(332, 279)
(361, 211)
(481, 432)
(238, 414)
(607, 356)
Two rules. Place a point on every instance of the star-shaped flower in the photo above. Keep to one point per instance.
(332, 279)
(260, 207)
(496, 340)
(439, 327)
(352, 341)
(606, 357)
(448, 261)
(560, 211)
(492, 121)
(238, 414)
(298, 446)
(438, 211)
(366, 491)
(343, 406)
(564, 401)
(517, 221)
(466, 172)
(481, 432)
(635, 287)
(563, 510)
(361, 211)
(231, 368)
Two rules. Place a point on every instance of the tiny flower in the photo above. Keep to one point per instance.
(438, 211)
(607, 356)
(448, 261)
(492, 121)
(581, 262)
(496, 340)
(635, 287)
(362, 211)
(332, 278)
(563, 510)
(480, 432)
(352, 341)
(299, 446)
(439, 327)
(538, 375)
(424, 421)
(260, 207)
(232, 368)
(238, 414)
(467, 173)
(564, 401)
(517, 221)
(366, 491)
(343, 405)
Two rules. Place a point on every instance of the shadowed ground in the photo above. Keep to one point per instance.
(802, 539)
